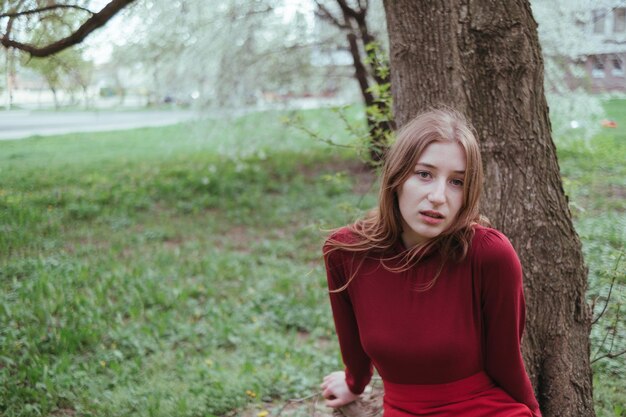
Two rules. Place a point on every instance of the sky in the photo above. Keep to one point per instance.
(101, 42)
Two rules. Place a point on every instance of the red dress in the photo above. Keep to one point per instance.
(453, 350)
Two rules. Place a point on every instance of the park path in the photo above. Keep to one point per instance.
(20, 124)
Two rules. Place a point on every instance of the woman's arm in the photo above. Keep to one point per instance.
(358, 366)
(504, 312)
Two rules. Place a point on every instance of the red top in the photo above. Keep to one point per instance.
(471, 320)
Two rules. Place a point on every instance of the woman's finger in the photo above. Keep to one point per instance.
(334, 402)
(328, 394)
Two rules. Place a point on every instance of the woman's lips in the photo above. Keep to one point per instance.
(431, 217)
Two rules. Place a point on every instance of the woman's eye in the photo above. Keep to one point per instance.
(423, 174)
(457, 182)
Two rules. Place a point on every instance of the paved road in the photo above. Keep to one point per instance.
(20, 124)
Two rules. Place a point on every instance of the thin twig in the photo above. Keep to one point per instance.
(609, 356)
(317, 136)
(317, 396)
(606, 335)
(608, 298)
(296, 400)
(324, 13)
(46, 9)
(347, 124)
(612, 330)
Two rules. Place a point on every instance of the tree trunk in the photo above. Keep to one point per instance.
(8, 79)
(85, 88)
(377, 129)
(380, 124)
(54, 96)
(483, 58)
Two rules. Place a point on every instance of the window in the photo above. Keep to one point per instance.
(597, 67)
(619, 20)
(617, 68)
(597, 19)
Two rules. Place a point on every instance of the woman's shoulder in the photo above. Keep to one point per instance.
(332, 249)
(342, 235)
(496, 260)
(491, 243)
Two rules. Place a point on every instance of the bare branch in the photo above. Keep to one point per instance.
(235, 16)
(613, 332)
(609, 356)
(349, 12)
(286, 50)
(349, 126)
(299, 124)
(608, 297)
(324, 13)
(296, 400)
(9, 26)
(94, 22)
(47, 8)
(606, 303)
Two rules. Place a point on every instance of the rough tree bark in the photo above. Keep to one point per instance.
(483, 58)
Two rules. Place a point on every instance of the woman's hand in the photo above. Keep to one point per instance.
(335, 390)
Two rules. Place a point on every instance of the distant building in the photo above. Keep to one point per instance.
(604, 59)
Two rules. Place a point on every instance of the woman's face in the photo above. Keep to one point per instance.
(431, 197)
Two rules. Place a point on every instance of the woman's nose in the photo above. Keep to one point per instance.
(437, 195)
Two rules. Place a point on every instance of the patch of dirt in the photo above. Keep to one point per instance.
(363, 177)
(304, 337)
(173, 243)
(370, 405)
(616, 191)
(63, 412)
(238, 238)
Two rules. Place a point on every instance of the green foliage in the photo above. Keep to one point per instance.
(594, 173)
(67, 69)
(377, 58)
(380, 112)
(177, 271)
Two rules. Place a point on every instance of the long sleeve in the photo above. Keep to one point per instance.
(504, 311)
(358, 364)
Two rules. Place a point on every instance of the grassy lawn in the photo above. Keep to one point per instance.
(594, 176)
(177, 271)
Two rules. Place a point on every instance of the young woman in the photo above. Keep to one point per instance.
(422, 290)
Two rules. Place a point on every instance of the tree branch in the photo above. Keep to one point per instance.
(297, 123)
(608, 298)
(47, 8)
(325, 14)
(606, 302)
(350, 12)
(94, 22)
(9, 26)
(609, 356)
(613, 331)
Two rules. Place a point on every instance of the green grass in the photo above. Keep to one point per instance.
(172, 271)
(177, 272)
(594, 177)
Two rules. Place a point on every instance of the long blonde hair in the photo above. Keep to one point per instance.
(381, 228)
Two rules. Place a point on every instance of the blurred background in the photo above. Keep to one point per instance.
(166, 183)
(236, 55)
